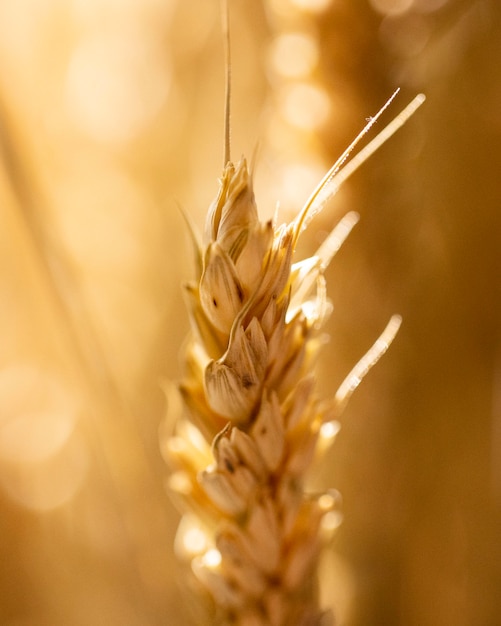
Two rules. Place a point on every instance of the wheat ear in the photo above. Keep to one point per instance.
(253, 421)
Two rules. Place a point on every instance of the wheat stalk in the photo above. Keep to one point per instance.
(253, 422)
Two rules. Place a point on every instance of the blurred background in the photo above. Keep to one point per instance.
(111, 118)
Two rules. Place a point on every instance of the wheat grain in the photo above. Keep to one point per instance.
(254, 421)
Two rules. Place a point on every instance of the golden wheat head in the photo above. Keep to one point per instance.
(253, 421)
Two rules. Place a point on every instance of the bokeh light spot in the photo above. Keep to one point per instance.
(180, 482)
(293, 55)
(37, 415)
(42, 459)
(296, 182)
(306, 106)
(191, 539)
(46, 485)
(329, 430)
(212, 558)
(32, 437)
(195, 540)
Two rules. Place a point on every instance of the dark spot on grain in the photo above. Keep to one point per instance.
(247, 381)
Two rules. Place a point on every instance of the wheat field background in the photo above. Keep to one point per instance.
(111, 118)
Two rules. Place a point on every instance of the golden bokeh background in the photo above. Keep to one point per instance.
(111, 118)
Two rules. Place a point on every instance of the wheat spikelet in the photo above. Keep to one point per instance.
(254, 422)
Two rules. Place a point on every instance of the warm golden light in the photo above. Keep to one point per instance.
(111, 116)
(295, 181)
(45, 485)
(327, 435)
(293, 55)
(331, 521)
(329, 430)
(392, 7)
(326, 502)
(180, 482)
(33, 437)
(306, 106)
(43, 459)
(212, 558)
(37, 415)
(313, 6)
(330, 503)
(112, 206)
(195, 541)
(191, 539)
(116, 84)
(428, 6)
(192, 434)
